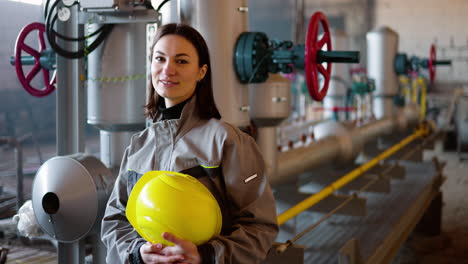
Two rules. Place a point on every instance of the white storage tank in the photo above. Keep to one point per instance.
(382, 47)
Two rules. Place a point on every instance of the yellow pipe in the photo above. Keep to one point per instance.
(422, 102)
(406, 90)
(414, 94)
(325, 192)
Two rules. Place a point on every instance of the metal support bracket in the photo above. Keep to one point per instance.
(140, 16)
(294, 254)
(350, 253)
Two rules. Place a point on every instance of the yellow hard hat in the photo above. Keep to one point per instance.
(164, 201)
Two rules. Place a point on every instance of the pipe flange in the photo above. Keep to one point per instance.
(252, 57)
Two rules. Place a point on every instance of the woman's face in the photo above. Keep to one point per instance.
(174, 69)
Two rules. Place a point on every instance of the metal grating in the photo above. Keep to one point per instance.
(385, 210)
(27, 255)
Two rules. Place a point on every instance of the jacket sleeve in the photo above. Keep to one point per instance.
(117, 234)
(254, 222)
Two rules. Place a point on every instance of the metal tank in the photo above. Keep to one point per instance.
(339, 77)
(221, 23)
(382, 47)
(117, 88)
(116, 80)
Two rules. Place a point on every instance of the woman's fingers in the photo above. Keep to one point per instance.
(182, 247)
(172, 238)
(154, 253)
(156, 258)
(149, 248)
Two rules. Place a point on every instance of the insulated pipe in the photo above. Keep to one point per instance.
(299, 160)
(340, 145)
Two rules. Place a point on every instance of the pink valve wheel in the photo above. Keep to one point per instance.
(431, 63)
(25, 79)
(312, 65)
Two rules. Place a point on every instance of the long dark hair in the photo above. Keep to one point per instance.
(205, 104)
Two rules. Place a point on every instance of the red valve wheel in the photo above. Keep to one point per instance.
(25, 79)
(312, 47)
(431, 66)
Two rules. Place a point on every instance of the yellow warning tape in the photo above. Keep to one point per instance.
(118, 79)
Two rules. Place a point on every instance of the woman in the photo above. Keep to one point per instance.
(187, 136)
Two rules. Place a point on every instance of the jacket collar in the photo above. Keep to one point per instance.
(188, 118)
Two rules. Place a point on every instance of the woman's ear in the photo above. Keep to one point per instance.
(203, 71)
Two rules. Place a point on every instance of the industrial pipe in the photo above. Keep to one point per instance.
(339, 144)
(325, 192)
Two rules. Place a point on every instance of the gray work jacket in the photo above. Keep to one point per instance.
(226, 160)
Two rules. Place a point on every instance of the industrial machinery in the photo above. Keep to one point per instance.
(403, 65)
(84, 38)
(97, 35)
(384, 64)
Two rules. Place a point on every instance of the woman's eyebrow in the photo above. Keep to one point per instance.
(177, 55)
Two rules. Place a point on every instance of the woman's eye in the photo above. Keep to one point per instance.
(158, 58)
(182, 61)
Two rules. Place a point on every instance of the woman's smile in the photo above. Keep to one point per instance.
(169, 83)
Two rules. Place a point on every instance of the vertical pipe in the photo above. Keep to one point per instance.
(70, 115)
(71, 253)
(112, 146)
(98, 248)
(266, 140)
(70, 96)
(299, 32)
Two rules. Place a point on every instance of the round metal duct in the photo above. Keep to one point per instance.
(70, 194)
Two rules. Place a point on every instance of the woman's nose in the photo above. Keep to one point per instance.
(169, 68)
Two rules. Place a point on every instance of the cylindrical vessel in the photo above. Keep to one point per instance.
(69, 196)
(112, 146)
(340, 77)
(116, 80)
(221, 23)
(270, 102)
(382, 47)
(169, 11)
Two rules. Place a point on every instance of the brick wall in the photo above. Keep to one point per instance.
(420, 23)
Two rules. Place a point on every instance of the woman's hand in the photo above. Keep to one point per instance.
(184, 248)
(152, 254)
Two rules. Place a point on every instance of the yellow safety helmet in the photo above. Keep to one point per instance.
(164, 201)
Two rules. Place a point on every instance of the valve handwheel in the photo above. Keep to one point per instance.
(313, 66)
(25, 79)
(431, 63)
